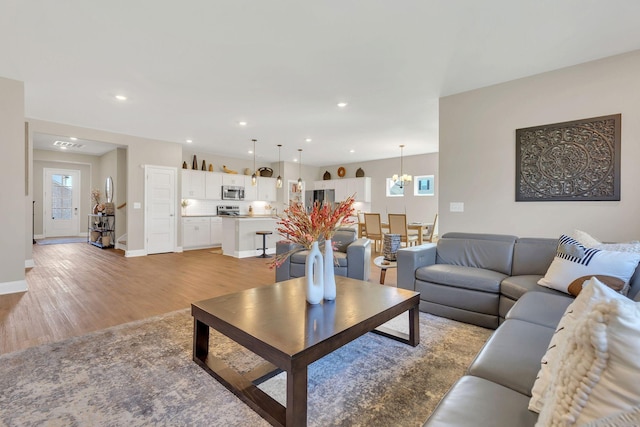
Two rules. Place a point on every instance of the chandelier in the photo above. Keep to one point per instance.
(279, 179)
(403, 177)
(254, 176)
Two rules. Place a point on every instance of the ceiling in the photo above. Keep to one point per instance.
(195, 69)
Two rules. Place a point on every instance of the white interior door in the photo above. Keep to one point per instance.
(160, 205)
(61, 202)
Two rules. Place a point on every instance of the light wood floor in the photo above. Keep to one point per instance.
(77, 288)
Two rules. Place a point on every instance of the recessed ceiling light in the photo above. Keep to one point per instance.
(63, 148)
(121, 97)
(307, 140)
(342, 104)
(295, 160)
(352, 151)
(73, 138)
(189, 141)
(242, 123)
(250, 151)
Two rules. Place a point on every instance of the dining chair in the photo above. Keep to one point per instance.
(361, 225)
(398, 225)
(373, 227)
(429, 235)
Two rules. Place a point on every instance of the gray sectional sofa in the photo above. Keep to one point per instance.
(475, 278)
(490, 280)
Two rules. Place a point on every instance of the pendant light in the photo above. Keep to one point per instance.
(279, 179)
(402, 177)
(300, 170)
(254, 177)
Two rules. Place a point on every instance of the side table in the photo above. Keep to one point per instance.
(384, 264)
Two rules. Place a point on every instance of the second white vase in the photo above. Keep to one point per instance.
(329, 273)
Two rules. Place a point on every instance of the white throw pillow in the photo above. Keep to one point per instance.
(585, 238)
(621, 419)
(579, 307)
(598, 371)
(574, 260)
(620, 247)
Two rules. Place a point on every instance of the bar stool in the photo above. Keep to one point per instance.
(264, 235)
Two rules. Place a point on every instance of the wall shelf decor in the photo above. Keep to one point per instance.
(570, 161)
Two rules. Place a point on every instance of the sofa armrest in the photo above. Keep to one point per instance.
(359, 259)
(283, 272)
(412, 258)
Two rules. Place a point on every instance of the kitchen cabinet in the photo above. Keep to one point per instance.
(361, 187)
(193, 184)
(196, 232)
(213, 185)
(266, 189)
(233, 179)
(346, 187)
(250, 191)
(328, 184)
(216, 231)
(239, 238)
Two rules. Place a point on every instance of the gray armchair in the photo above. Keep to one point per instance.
(352, 257)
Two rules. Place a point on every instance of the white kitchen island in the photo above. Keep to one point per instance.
(239, 238)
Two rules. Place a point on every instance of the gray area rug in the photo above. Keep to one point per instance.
(61, 240)
(141, 374)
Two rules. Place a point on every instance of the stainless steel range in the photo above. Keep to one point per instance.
(228, 210)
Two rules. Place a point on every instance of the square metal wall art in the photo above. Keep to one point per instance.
(570, 161)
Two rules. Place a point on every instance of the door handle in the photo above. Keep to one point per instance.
(170, 214)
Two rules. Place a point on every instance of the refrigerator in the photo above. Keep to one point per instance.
(321, 196)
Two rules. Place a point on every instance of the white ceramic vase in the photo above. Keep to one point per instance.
(329, 274)
(314, 275)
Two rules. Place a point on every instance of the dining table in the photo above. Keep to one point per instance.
(421, 227)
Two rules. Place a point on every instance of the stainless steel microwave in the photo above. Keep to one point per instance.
(232, 192)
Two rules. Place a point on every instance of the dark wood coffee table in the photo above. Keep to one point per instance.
(276, 323)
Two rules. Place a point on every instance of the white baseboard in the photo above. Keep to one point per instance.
(39, 236)
(29, 263)
(178, 249)
(13, 287)
(251, 253)
(131, 254)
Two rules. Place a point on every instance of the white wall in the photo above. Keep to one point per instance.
(13, 200)
(88, 167)
(417, 208)
(140, 152)
(477, 150)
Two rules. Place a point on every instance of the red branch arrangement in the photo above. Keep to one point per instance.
(302, 228)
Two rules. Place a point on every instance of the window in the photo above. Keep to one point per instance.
(395, 188)
(424, 185)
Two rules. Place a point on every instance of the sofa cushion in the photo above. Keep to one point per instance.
(474, 402)
(515, 287)
(533, 256)
(487, 251)
(511, 357)
(540, 308)
(339, 259)
(343, 237)
(299, 257)
(462, 277)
